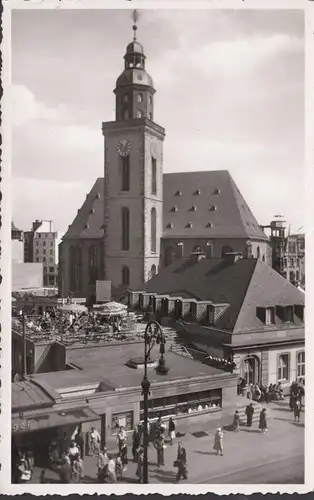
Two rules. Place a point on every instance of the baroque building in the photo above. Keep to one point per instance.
(142, 218)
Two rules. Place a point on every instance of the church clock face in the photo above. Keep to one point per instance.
(124, 147)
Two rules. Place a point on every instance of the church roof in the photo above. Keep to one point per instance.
(196, 205)
(89, 220)
(240, 284)
(206, 205)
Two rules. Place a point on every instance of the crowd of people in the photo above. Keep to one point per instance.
(265, 393)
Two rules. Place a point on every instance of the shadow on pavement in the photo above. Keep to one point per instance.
(298, 424)
(164, 476)
(250, 429)
(205, 452)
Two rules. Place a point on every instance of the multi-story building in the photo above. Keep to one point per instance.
(288, 252)
(42, 245)
(17, 244)
(140, 219)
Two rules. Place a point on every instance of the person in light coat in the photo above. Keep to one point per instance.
(218, 443)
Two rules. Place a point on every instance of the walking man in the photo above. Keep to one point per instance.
(218, 443)
(181, 463)
(262, 421)
(160, 447)
(171, 430)
(249, 411)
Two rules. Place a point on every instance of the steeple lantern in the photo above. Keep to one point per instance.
(134, 88)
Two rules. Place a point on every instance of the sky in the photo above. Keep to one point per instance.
(230, 94)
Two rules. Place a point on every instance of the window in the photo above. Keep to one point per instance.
(124, 419)
(126, 114)
(258, 253)
(125, 275)
(93, 264)
(50, 259)
(125, 216)
(37, 259)
(140, 114)
(125, 173)
(44, 259)
(299, 311)
(51, 243)
(269, 315)
(153, 229)
(37, 251)
(150, 100)
(289, 314)
(37, 243)
(153, 271)
(51, 252)
(51, 269)
(44, 251)
(125, 98)
(154, 175)
(291, 276)
(51, 280)
(301, 365)
(283, 367)
(44, 243)
(139, 97)
(150, 116)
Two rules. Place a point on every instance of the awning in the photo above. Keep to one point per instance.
(53, 419)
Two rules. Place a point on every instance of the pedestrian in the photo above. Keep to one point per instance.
(112, 478)
(171, 430)
(73, 452)
(136, 440)
(94, 441)
(236, 421)
(119, 467)
(65, 471)
(249, 411)
(77, 470)
(218, 443)
(297, 410)
(102, 463)
(122, 439)
(139, 470)
(262, 421)
(80, 442)
(24, 472)
(181, 462)
(160, 448)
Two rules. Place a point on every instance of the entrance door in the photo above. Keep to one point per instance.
(251, 370)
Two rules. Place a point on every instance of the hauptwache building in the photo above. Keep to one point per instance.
(138, 219)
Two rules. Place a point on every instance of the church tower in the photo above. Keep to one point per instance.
(133, 177)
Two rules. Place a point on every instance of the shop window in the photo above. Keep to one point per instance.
(301, 365)
(124, 419)
(283, 367)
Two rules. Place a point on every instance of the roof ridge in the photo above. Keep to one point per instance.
(245, 295)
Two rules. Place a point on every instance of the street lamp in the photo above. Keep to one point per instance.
(153, 335)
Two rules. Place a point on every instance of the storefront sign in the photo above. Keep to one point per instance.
(22, 425)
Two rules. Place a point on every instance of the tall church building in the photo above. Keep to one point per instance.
(133, 198)
(137, 220)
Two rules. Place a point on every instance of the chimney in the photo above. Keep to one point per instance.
(232, 257)
(198, 256)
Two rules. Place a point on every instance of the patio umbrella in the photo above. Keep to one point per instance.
(112, 309)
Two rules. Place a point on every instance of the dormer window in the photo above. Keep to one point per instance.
(285, 313)
(178, 193)
(212, 208)
(169, 225)
(97, 196)
(92, 211)
(174, 209)
(209, 224)
(140, 114)
(197, 192)
(216, 191)
(86, 225)
(193, 208)
(266, 315)
(189, 225)
(299, 312)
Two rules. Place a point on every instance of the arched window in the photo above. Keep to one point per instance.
(263, 258)
(125, 233)
(226, 249)
(125, 173)
(154, 175)
(75, 267)
(258, 253)
(153, 229)
(153, 271)
(139, 97)
(168, 256)
(125, 275)
(93, 264)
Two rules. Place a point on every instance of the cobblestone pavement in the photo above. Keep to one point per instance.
(243, 451)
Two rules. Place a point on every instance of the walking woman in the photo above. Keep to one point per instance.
(122, 439)
(297, 410)
(171, 430)
(181, 463)
(262, 421)
(236, 421)
(218, 444)
(160, 448)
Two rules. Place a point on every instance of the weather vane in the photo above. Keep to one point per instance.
(135, 16)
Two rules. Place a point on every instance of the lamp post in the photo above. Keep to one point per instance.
(153, 335)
